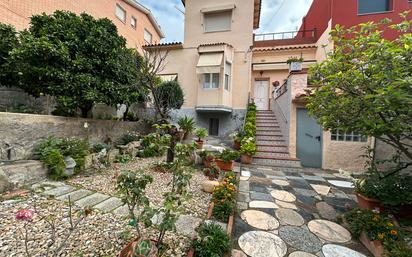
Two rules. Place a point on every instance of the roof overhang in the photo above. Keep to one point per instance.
(214, 109)
(149, 14)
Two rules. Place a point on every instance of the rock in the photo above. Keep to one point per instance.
(209, 185)
(4, 182)
(259, 219)
(263, 205)
(262, 244)
(301, 254)
(331, 250)
(329, 231)
(289, 217)
(21, 173)
(282, 195)
(326, 211)
(300, 239)
(112, 155)
(286, 205)
(70, 165)
(186, 225)
(320, 189)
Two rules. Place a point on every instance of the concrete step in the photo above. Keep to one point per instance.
(271, 155)
(272, 143)
(267, 126)
(278, 162)
(272, 148)
(261, 130)
(269, 138)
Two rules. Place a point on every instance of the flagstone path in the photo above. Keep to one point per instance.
(292, 212)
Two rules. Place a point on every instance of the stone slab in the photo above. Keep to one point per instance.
(58, 191)
(109, 204)
(261, 196)
(91, 200)
(305, 192)
(320, 189)
(313, 178)
(289, 217)
(259, 220)
(332, 250)
(263, 205)
(300, 239)
(329, 231)
(186, 225)
(242, 206)
(326, 211)
(75, 195)
(286, 205)
(280, 182)
(282, 195)
(121, 211)
(340, 183)
(244, 186)
(262, 244)
(245, 173)
(301, 254)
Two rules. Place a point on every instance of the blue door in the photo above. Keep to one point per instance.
(309, 140)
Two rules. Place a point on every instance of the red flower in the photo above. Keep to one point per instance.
(25, 215)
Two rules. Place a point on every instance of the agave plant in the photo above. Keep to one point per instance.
(187, 124)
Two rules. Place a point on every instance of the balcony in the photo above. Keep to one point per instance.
(285, 38)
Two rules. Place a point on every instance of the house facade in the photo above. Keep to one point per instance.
(133, 21)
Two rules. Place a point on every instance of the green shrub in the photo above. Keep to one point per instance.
(248, 146)
(55, 164)
(76, 148)
(201, 133)
(97, 148)
(187, 124)
(212, 242)
(169, 96)
(228, 155)
(128, 138)
(122, 158)
(223, 210)
(154, 145)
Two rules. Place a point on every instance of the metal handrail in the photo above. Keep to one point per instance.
(284, 35)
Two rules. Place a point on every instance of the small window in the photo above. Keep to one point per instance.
(228, 73)
(339, 135)
(220, 21)
(373, 6)
(148, 36)
(133, 22)
(214, 127)
(211, 80)
(120, 13)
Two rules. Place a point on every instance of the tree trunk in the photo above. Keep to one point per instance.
(85, 110)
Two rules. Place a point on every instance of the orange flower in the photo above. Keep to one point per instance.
(394, 232)
(390, 224)
(381, 235)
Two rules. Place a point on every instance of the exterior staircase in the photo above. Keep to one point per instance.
(272, 149)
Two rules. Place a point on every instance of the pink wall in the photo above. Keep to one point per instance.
(346, 13)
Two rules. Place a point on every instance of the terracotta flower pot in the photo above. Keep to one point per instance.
(199, 144)
(127, 251)
(236, 145)
(246, 158)
(368, 203)
(405, 212)
(228, 166)
(375, 247)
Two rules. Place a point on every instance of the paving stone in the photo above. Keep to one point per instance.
(325, 175)
(58, 191)
(277, 177)
(261, 196)
(294, 178)
(340, 183)
(322, 190)
(280, 182)
(242, 206)
(300, 183)
(75, 195)
(243, 197)
(244, 178)
(262, 244)
(109, 204)
(51, 183)
(283, 196)
(257, 174)
(289, 217)
(329, 231)
(307, 200)
(301, 254)
(186, 225)
(258, 188)
(238, 253)
(326, 211)
(305, 192)
(286, 205)
(244, 186)
(332, 250)
(313, 178)
(245, 173)
(300, 239)
(259, 220)
(91, 200)
(121, 211)
(263, 205)
(277, 173)
(341, 204)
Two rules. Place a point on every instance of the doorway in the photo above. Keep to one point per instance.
(262, 94)
(309, 140)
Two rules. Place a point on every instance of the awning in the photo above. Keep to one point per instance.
(168, 77)
(213, 109)
(209, 63)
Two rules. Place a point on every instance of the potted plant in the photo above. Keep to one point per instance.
(247, 150)
(226, 159)
(212, 173)
(187, 125)
(237, 138)
(295, 64)
(366, 193)
(200, 133)
(207, 158)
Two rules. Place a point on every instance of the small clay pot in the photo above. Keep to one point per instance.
(368, 203)
(199, 144)
(228, 166)
(236, 145)
(246, 158)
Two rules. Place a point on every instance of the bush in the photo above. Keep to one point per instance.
(122, 158)
(224, 198)
(169, 96)
(97, 148)
(52, 151)
(187, 124)
(128, 138)
(212, 241)
(154, 145)
(228, 155)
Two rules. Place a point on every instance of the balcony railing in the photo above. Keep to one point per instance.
(285, 35)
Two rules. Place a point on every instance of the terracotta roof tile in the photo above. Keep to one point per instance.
(281, 48)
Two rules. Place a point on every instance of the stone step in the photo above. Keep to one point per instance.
(269, 133)
(58, 191)
(260, 130)
(75, 195)
(271, 155)
(91, 200)
(109, 205)
(272, 143)
(267, 127)
(271, 148)
(285, 162)
(269, 138)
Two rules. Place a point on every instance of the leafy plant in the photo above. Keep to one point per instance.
(212, 172)
(128, 138)
(223, 210)
(294, 59)
(75, 148)
(212, 242)
(228, 155)
(201, 133)
(97, 148)
(168, 96)
(187, 124)
(144, 248)
(8, 42)
(238, 135)
(153, 145)
(224, 198)
(122, 158)
(54, 162)
(248, 146)
(230, 177)
(207, 155)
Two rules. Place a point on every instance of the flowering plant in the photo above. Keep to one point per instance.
(25, 215)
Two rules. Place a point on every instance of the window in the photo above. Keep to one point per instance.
(339, 135)
(220, 21)
(214, 127)
(133, 22)
(373, 6)
(228, 73)
(148, 36)
(211, 80)
(120, 13)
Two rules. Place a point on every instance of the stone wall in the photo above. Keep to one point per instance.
(21, 133)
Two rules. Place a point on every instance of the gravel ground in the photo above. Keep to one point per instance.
(105, 181)
(97, 235)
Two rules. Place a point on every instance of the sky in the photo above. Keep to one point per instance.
(276, 16)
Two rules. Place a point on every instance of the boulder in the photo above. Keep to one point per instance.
(70, 165)
(209, 185)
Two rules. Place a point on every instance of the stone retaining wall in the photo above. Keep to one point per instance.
(22, 132)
